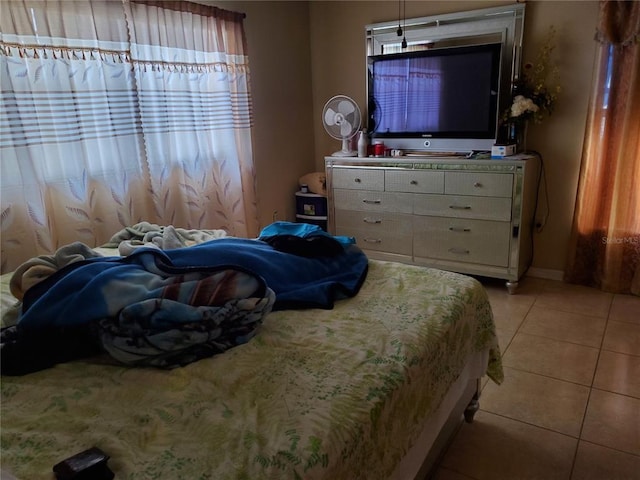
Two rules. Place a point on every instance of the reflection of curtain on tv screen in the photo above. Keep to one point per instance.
(423, 94)
(408, 94)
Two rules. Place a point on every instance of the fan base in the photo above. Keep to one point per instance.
(345, 153)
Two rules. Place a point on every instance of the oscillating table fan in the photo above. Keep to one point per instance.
(341, 119)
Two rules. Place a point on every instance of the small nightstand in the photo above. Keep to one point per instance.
(311, 208)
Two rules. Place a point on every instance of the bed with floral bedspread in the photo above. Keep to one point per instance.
(316, 394)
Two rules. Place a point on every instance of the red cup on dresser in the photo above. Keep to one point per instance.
(378, 149)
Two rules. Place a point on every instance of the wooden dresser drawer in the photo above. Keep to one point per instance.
(372, 201)
(464, 240)
(374, 222)
(358, 178)
(417, 181)
(459, 206)
(479, 184)
(381, 241)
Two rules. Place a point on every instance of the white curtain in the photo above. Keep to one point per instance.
(115, 113)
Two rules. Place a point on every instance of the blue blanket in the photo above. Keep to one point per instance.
(101, 287)
(169, 308)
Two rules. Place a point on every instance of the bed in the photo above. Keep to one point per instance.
(370, 389)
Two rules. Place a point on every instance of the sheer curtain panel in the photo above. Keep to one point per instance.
(115, 113)
(192, 75)
(605, 240)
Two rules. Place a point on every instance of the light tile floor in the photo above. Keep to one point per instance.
(569, 407)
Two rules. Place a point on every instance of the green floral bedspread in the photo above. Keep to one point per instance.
(317, 394)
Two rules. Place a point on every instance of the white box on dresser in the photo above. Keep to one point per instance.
(464, 215)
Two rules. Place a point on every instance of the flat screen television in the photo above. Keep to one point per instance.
(441, 100)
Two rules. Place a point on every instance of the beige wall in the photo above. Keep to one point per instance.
(560, 138)
(303, 53)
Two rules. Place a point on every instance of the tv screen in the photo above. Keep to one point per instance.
(442, 93)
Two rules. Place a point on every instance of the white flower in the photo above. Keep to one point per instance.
(522, 105)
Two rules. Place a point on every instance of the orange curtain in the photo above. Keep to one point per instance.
(604, 250)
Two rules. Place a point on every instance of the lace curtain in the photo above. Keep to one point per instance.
(605, 240)
(115, 113)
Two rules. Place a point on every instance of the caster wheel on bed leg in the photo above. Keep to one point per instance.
(472, 408)
(512, 287)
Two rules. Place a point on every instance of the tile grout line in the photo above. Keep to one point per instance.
(524, 318)
(572, 382)
(563, 341)
(551, 430)
(591, 388)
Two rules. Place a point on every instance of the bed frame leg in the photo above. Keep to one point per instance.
(472, 408)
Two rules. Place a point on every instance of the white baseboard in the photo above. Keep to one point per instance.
(546, 273)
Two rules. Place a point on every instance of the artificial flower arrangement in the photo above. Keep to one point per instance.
(536, 91)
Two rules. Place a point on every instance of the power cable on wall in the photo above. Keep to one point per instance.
(537, 225)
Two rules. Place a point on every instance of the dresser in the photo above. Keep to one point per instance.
(467, 216)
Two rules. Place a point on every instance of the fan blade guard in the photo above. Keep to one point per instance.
(341, 118)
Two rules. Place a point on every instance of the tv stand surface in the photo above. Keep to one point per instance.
(409, 154)
(471, 216)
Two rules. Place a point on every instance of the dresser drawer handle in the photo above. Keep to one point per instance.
(371, 220)
(373, 240)
(477, 185)
(459, 229)
(413, 182)
(461, 251)
(357, 180)
(460, 207)
(376, 202)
